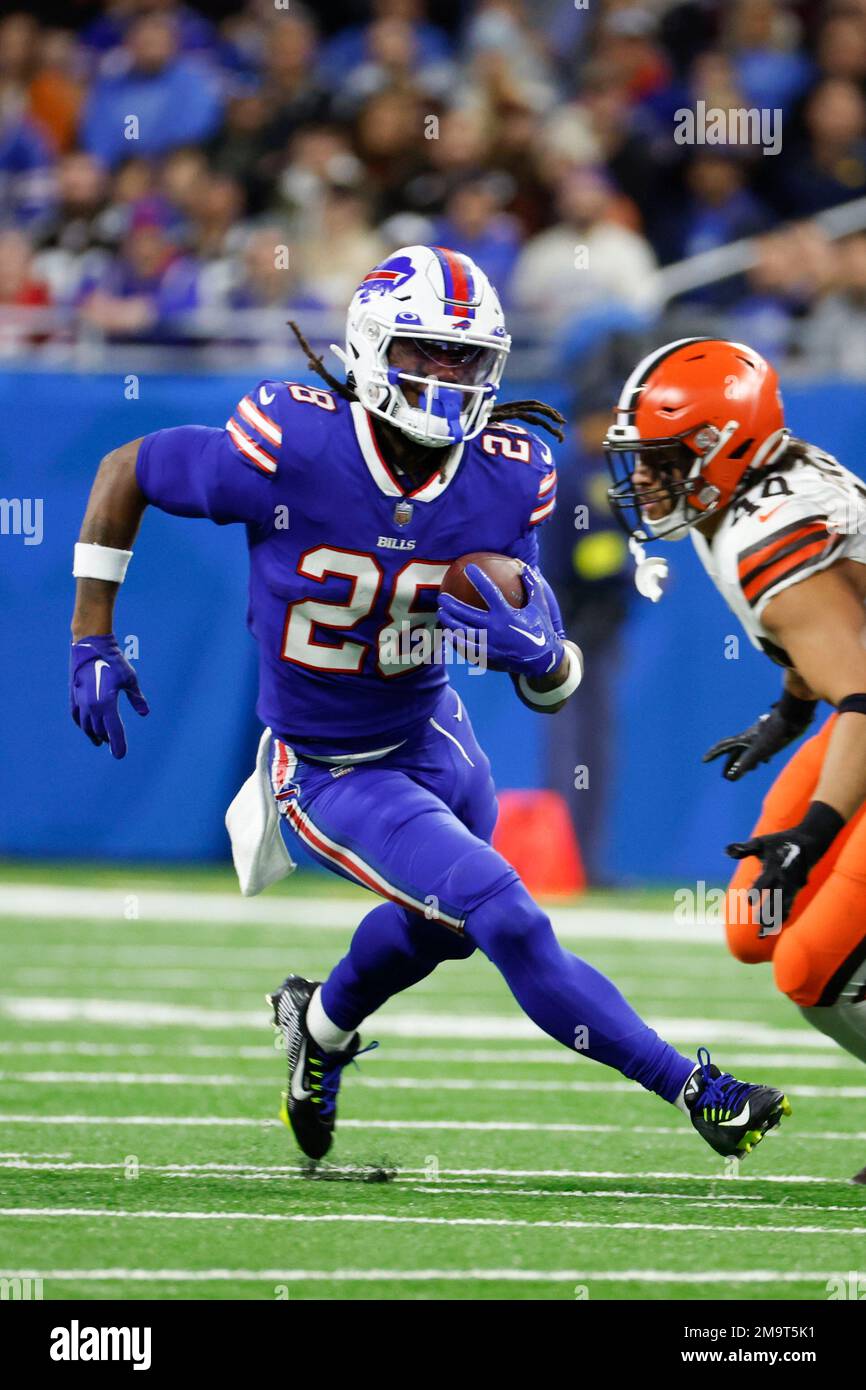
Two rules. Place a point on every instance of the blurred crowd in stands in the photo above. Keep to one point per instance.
(170, 172)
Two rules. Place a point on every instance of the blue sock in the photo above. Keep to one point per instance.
(569, 999)
(390, 951)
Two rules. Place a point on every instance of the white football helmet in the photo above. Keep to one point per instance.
(426, 344)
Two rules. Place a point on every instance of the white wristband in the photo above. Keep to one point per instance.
(560, 692)
(100, 562)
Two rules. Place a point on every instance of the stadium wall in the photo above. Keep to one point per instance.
(184, 604)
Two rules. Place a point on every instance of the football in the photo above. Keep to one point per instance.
(506, 573)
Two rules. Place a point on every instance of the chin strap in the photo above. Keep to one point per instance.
(650, 571)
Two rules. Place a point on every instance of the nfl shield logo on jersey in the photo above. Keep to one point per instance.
(403, 513)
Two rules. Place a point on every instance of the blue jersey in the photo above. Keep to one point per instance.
(342, 553)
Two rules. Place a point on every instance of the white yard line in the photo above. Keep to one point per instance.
(376, 1083)
(207, 983)
(132, 1078)
(476, 1126)
(82, 950)
(420, 1055)
(452, 1189)
(202, 982)
(319, 913)
(440, 1185)
(517, 1126)
(562, 1056)
(423, 1276)
(390, 1219)
(508, 1176)
(407, 1025)
(156, 1121)
(132, 1013)
(14, 1155)
(83, 953)
(157, 905)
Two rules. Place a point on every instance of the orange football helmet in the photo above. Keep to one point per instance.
(701, 414)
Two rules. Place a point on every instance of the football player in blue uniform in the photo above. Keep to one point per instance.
(356, 496)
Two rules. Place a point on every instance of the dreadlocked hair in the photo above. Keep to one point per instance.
(317, 365)
(536, 413)
(545, 417)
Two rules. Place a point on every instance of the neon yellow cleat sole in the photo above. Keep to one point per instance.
(754, 1136)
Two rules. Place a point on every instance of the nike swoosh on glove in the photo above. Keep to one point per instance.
(524, 640)
(98, 671)
(787, 858)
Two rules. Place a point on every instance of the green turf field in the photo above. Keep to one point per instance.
(141, 1154)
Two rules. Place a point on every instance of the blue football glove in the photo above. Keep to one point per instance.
(526, 641)
(98, 671)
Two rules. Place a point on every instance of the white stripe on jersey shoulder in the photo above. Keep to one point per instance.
(380, 472)
(252, 451)
(266, 427)
(543, 512)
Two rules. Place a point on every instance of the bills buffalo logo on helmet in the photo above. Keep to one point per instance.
(385, 278)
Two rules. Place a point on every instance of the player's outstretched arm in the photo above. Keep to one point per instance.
(98, 670)
(821, 615)
(784, 722)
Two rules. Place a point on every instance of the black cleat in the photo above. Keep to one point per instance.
(309, 1106)
(732, 1116)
